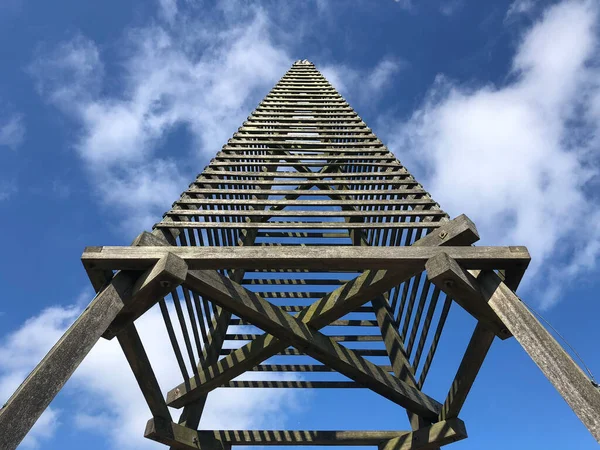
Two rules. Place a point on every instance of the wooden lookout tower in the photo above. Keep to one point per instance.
(308, 235)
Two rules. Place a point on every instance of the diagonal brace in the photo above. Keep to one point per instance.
(348, 297)
(276, 321)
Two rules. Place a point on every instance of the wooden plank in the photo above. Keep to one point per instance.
(302, 437)
(560, 369)
(164, 276)
(137, 358)
(347, 298)
(268, 384)
(411, 258)
(179, 437)
(440, 433)
(478, 347)
(173, 434)
(300, 368)
(306, 213)
(34, 395)
(451, 278)
(345, 338)
(299, 225)
(272, 319)
(232, 173)
(309, 203)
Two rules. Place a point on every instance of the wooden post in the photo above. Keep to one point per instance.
(34, 395)
(486, 288)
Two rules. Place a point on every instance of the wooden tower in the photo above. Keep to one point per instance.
(308, 232)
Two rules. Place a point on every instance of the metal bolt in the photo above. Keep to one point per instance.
(165, 284)
(449, 283)
(443, 234)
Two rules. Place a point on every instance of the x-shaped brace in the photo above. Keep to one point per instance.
(301, 331)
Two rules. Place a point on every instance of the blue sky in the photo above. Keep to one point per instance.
(108, 110)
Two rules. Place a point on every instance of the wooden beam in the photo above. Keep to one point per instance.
(451, 278)
(560, 369)
(355, 292)
(168, 273)
(480, 343)
(185, 438)
(272, 319)
(135, 353)
(322, 258)
(180, 437)
(34, 395)
(348, 297)
(440, 433)
(37, 391)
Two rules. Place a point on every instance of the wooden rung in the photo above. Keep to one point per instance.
(294, 282)
(349, 338)
(300, 368)
(295, 384)
(295, 352)
(346, 323)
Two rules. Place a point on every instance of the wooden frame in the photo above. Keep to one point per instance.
(304, 225)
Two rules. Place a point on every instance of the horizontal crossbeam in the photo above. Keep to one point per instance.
(169, 433)
(322, 258)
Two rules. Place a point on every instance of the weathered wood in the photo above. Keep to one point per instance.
(299, 225)
(477, 349)
(343, 300)
(133, 349)
(560, 369)
(440, 433)
(270, 202)
(164, 276)
(185, 438)
(313, 213)
(34, 395)
(450, 277)
(249, 306)
(411, 258)
(180, 437)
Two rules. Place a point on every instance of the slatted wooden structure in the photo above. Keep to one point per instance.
(304, 247)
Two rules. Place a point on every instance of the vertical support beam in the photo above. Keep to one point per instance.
(478, 347)
(560, 369)
(569, 380)
(133, 349)
(34, 395)
(125, 291)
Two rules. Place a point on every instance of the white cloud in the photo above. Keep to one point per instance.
(450, 7)
(200, 77)
(519, 7)
(520, 159)
(104, 396)
(405, 4)
(12, 131)
(364, 86)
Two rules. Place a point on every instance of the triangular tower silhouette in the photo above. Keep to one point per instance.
(307, 231)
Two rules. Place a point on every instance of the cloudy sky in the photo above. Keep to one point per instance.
(109, 110)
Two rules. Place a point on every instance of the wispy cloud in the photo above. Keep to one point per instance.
(12, 131)
(519, 7)
(521, 159)
(364, 86)
(176, 74)
(451, 7)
